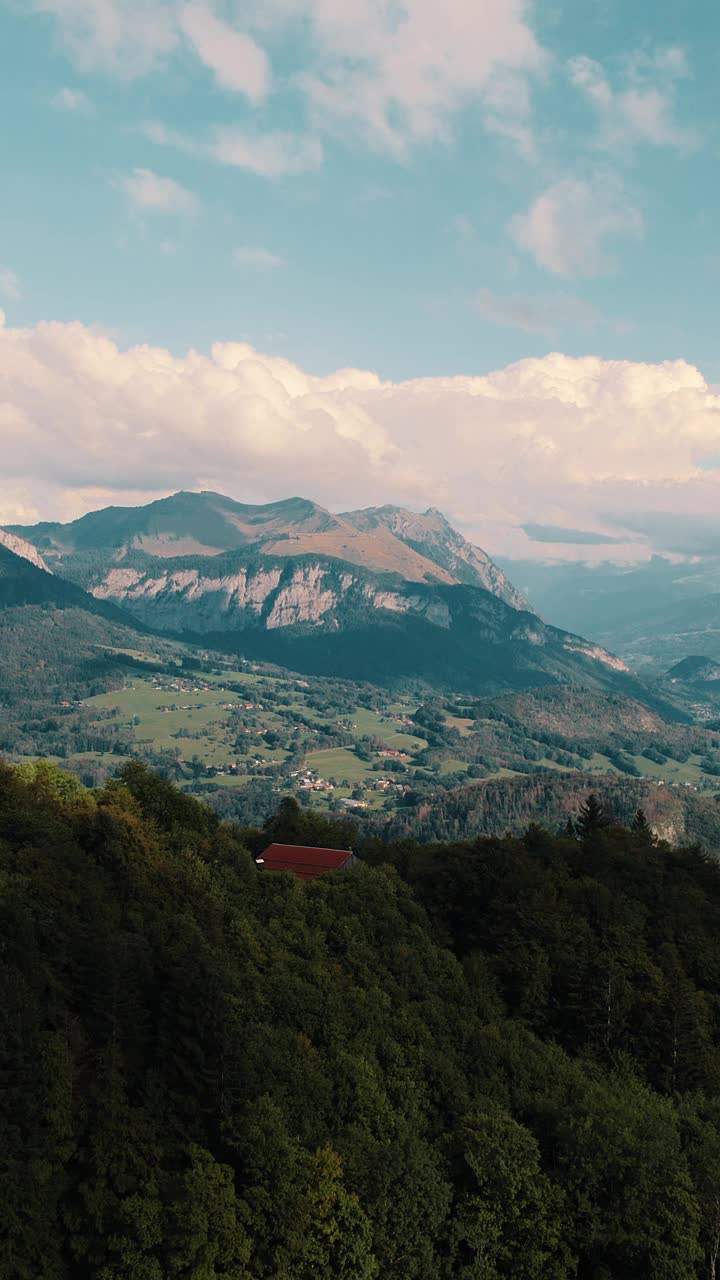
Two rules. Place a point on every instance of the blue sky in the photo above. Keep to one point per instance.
(403, 253)
(460, 254)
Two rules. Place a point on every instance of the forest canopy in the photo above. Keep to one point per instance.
(469, 1060)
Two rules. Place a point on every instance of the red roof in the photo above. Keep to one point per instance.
(304, 862)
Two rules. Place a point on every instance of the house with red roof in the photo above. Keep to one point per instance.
(305, 862)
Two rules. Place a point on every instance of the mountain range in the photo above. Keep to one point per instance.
(417, 548)
(378, 594)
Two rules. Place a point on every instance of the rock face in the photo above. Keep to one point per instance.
(312, 595)
(20, 547)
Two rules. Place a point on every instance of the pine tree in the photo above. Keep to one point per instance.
(592, 817)
(641, 828)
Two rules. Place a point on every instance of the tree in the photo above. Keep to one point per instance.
(641, 828)
(332, 1238)
(592, 818)
(508, 1219)
(204, 1229)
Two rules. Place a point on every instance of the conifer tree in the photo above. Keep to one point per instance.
(641, 827)
(592, 817)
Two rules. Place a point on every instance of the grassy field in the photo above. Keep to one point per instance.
(280, 726)
(339, 763)
(451, 765)
(195, 719)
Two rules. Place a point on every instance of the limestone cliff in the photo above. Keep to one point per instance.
(319, 594)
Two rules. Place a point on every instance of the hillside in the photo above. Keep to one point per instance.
(675, 812)
(406, 1071)
(695, 668)
(327, 618)
(23, 582)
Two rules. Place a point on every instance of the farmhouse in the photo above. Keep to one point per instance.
(304, 862)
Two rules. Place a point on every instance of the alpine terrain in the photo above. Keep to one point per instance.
(378, 594)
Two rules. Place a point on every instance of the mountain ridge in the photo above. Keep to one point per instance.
(381, 594)
(418, 547)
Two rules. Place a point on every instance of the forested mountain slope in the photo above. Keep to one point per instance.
(22, 582)
(212, 1072)
(510, 804)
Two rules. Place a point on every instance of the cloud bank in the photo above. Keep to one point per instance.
(606, 447)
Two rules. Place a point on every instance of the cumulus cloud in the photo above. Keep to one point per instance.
(148, 191)
(642, 110)
(72, 100)
(571, 443)
(545, 313)
(247, 256)
(567, 227)
(238, 63)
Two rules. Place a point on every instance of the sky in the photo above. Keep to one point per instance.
(460, 255)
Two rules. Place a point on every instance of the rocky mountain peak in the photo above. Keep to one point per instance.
(431, 534)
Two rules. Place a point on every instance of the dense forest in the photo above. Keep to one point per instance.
(472, 1060)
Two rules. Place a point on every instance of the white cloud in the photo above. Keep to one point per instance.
(125, 37)
(393, 74)
(9, 284)
(147, 190)
(642, 110)
(238, 63)
(72, 100)
(567, 226)
(247, 256)
(270, 155)
(555, 441)
(396, 75)
(545, 313)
